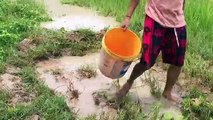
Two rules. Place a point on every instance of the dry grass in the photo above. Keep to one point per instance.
(87, 71)
(57, 72)
(154, 85)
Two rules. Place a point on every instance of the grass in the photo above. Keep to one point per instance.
(46, 105)
(128, 110)
(55, 44)
(57, 72)
(133, 111)
(154, 86)
(18, 18)
(199, 26)
(2, 67)
(197, 106)
(90, 117)
(87, 71)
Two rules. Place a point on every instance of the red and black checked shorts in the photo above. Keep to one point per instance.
(170, 41)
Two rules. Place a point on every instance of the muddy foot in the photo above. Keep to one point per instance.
(123, 91)
(172, 97)
(109, 98)
(118, 96)
(103, 98)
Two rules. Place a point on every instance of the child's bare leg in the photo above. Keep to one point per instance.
(138, 70)
(172, 76)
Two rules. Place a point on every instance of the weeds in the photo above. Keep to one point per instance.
(154, 113)
(170, 116)
(90, 117)
(133, 111)
(18, 18)
(4, 98)
(87, 71)
(45, 103)
(130, 111)
(53, 44)
(197, 106)
(154, 85)
(57, 72)
(57, 42)
(116, 83)
(2, 68)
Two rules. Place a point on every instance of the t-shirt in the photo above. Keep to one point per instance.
(168, 13)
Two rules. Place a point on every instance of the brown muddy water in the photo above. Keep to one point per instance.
(73, 17)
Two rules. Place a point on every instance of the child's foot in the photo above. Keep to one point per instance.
(172, 97)
(122, 92)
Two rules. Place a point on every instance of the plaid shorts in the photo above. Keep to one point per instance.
(170, 41)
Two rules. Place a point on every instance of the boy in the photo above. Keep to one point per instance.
(165, 31)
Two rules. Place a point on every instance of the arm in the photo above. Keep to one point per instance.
(132, 6)
(184, 4)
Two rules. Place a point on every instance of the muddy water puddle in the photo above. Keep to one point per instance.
(84, 104)
(73, 17)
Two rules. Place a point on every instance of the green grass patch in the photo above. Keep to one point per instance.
(196, 66)
(54, 44)
(18, 18)
(130, 111)
(199, 25)
(198, 106)
(77, 43)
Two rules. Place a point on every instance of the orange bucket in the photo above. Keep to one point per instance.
(119, 49)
